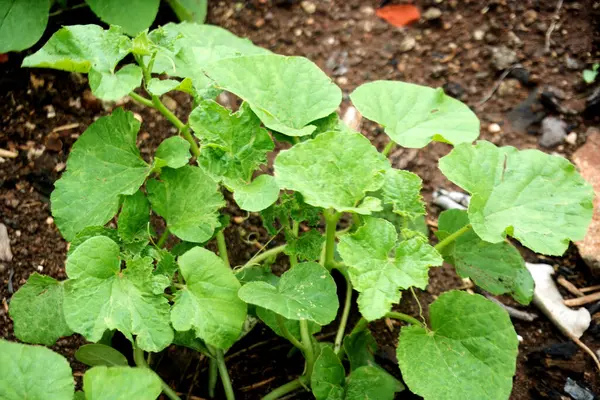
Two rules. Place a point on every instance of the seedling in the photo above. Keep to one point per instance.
(590, 75)
(124, 279)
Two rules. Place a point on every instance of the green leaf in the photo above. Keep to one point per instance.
(414, 115)
(190, 10)
(379, 277)
(495, 267)
(402, 189)
(113, 86)
(328, 376)
(209, 303)
(99, 296)
(470, 351)
(307, 247)
(22, 24)
(33, 373)
(539, 199)
(371, 382)
(173, 152)
(103, 165)
(134, 218)
(36, 310)
(257, 195)
(188, 339)
(134, 16)
(185, 48)
(293, 326)
(286, 93)
(79, 395)
(165, 261)
(189, 200)
(291, 206)
(90, 232)
(159, 87)
(306, 291)
(359, 348)
(121, 383)
(100, 354)
(332, 122)
(333, 170)
(258, 272)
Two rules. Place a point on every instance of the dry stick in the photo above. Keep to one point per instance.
(590, 289)
(562, 281)
(555, 18)
(497, 85)
(580, 301)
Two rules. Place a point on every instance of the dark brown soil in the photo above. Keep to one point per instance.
(43, 112)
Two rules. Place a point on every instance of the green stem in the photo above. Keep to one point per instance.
(163, 238)
(224, 375)
(287, 334)
(403, 317)
(295, 230)
(140, 361)
(360, 325)
(222, 247)
(452, 237)
(339, 337)
(213, 375)
(331, 219)
(309, 354)
(265, 255)
(141, 99)
(285, 389)
(388, 148)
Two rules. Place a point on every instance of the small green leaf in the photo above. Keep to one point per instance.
(370, 382)
(589, 75)
(209, 303)
(159, 87)
(190, 10)
(103, 165)
(307, 247)
(113, 86)
(291, 206)
(79, 395)
(495, 267)
(121, 383)
(134, 218)
(189, 200)
(379, 277)
(402, 189)
(37, 312)
(469, 353)
(165, 261)
(115, 12)
(100, 354)
(539, 199)
(332, 122)
(99, 296)
(360, 348)
(293, 326)
(33, 373)
(333, 170)
(415, 115)
(188, 339)
(306, 291)
(22, 24)
(259, 272)
(286, 93)
(257, 195)
(173, 152)
(90, 232)
(328, 376)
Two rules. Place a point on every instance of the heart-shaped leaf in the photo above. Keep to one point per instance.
(173, 152)
(121, 383)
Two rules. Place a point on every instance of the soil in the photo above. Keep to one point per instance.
(43, 112)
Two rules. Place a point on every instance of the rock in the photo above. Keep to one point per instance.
(478, 34)
(554, 132)
(5, 252)
(494, 128)
(454, 89)
(520, 74)
(529, 17)
(588, 163)
(367, 10)
(432, 13)
(572, 63)
(309, 7)
(503, 57)
(578, 392)
(508, 87)
(514, 39)
(571, 138)
(439, 70)
(407, 44)
(169, 102)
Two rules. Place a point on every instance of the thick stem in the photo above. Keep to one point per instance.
(309, 353)
(453, 237)
(213, 377)
(403, 317)
(339, 337)
(287, 334)
(140, 361)
(141, 99)
(285, 389)
(222, 247)
(163, 238)
(229, 395)
(265, 255)
(388, 148)
(331, 219)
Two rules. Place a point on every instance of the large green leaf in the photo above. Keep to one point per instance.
(208, 303)
(103, 165)
(186, 48)
(379, 277)
(33, 373)
(415, 115)
(133, 16)
(189, 200)
(328, 377)
(334, 170)
(371, 382)
(121, 383)
(22, 23)
(534, 197)
(99, 296)
(100, 354)
(190, 10)
(134, 217)
(402, 190)
(496, 267)
(469, 354)
(36, 310)
(173, 152)
(306, 291)
(286, 93)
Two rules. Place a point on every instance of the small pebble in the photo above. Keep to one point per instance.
(309, 7)
(432, 13)
(49, 221)
(571, 138)
(478, 35)
(40, 268)
(138, 117)
(407, 44)
(494, 128)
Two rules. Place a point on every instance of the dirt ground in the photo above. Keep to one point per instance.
(43, 112)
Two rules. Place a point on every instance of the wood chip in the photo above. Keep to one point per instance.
(590, 289)
(580, 301)
(8, 154)
(66, 127)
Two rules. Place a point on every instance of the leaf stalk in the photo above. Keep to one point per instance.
(441, 245)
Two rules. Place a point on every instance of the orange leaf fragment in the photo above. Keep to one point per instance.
(399, 14)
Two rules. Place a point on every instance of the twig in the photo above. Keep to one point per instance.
(590, 289)
(497, 85)
(580, 301)
(552, 26)
(256, 385)
(513, 312)
(562, 281)
(8, 154)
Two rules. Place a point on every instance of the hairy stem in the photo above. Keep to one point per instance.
(388, 148)
(331, 219)
(287, 334)
(285, 389)
(339, 337)
(213, 377)
(222, 245)
(224, 375)
(403, 317)
(309, 353)
(163, 238)
(453, 237)
(140, 361)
